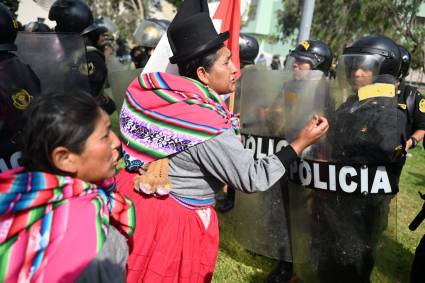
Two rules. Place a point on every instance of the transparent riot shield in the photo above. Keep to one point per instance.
(269, 102)
(342, 191)
(58, 60)
(119, 82)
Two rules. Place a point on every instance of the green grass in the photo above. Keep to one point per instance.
(235, 264)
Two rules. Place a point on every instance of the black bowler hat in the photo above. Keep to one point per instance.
(192, 32)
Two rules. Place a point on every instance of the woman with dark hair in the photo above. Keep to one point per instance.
(61, 219)
(181, 138)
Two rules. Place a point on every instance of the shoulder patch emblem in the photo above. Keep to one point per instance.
(422, 105)
(87, 69)
(21, 99)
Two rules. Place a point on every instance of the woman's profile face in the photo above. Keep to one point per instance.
(100, 155)
(222, 75)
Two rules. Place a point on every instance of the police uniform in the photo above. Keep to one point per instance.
(413, 103)
(97, 74)
(18, 86)
(346, 227)
(368, 129)
(76, 16)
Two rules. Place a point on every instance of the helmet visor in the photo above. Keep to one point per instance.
(359, 70)
(301, 67)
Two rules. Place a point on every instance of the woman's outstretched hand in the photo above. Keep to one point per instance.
(312, 131)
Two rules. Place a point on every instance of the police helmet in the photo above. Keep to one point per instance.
(97, 27)
(248, 48)
(385, 49)
(406, 59)
(317, 53)
(37, 27)
(9, 29)
(71, 16)
(149, 32)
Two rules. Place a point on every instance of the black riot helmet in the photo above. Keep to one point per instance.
(383, 48)
(71, 16)
(406, 59)
(248, 48)
(37, 27)
(9, 29)
(317, 53)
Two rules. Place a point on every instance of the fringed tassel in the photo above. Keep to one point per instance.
(154, 179)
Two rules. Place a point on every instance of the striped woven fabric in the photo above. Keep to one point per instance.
(164, 114)
(193, 203)
(45, 219)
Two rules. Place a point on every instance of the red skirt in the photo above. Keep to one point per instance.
(170, 243)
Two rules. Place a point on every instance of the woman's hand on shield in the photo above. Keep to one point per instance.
(312, 131)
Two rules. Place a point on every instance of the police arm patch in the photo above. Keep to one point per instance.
(422, 105)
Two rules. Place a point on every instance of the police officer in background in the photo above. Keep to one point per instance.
(306, 94)
(147, 35)
(412, 102)
(37, 26)
(248, 51)
(76, 16)
(18, 87)
(310, 62)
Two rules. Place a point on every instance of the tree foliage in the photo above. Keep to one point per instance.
(126, 14)
(340, 22)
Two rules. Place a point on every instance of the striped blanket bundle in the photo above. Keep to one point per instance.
(52, 226)
(164, 114)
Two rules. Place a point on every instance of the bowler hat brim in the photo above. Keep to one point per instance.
(220, 39)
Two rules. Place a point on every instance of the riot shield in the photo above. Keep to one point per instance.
(119, 82)
(269, 100)
(58, 60)
(342, 191)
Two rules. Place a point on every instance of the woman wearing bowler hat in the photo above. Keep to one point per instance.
(180, 145)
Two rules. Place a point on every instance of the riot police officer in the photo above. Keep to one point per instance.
(304, 95)
(310, 63)
(248, 51)
(18, 87)
(37, 26)
(412, 102)
(367, 134)
(76, 16)
(147, 34)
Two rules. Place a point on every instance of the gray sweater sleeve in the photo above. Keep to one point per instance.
(225, 158)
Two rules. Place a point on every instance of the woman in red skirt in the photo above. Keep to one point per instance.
(180, 146)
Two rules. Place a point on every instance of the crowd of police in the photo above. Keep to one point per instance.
(375, 118)
(374, 126)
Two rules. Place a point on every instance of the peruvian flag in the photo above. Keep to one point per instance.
(229, 13)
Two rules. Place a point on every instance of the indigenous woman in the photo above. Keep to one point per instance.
(179, 134)
(61, 219)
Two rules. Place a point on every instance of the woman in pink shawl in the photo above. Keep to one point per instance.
(61, 219)
(180, 145)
